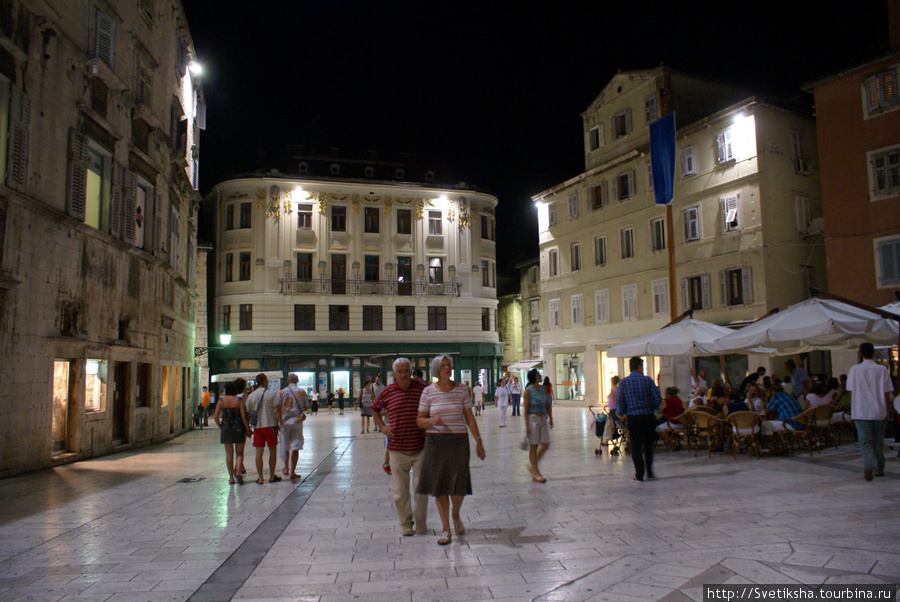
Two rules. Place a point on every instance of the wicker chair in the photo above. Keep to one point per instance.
(707, 426)
(744, 429)
(818, 429)
(678, 429)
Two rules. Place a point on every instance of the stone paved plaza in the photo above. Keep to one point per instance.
(124, 528)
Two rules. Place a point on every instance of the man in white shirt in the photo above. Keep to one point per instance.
(871, 386)
(478, 395)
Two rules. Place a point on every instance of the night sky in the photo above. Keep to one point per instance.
(492, 90)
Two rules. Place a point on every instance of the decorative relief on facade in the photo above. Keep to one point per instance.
(354, 201)
(274, 209)
(260, 198)
(322, 198)
(338, 197)
(388, 204)
(236, 195)
(451, 216)
(288, 202)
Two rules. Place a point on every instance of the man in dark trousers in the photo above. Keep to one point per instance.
(639, 399)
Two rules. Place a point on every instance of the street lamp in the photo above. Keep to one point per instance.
(225, 337)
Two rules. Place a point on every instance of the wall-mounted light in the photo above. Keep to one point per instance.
(195, 67)
(225, 337)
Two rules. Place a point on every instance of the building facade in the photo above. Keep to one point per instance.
(747, 227)
(100, 120)
(332, 278)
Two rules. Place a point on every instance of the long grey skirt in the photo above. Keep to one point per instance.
(445, 466)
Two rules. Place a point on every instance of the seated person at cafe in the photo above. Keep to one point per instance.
(780, 409)
(754, 399)
(697, 400)
(816, 397)
(671, 408)
(735, 404)
(717, 399)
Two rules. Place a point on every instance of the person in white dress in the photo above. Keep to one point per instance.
(502, 396)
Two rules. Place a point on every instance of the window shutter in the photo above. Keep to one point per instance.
(173, 233)
(587, 142)
(706, 292)
(685, 295)
(889, 88)
(159, 248)
(182, 61)
(77, 174)
(631, 189)
(116, 208)
(17, 148)
(723, 289)
(144, 83)
(879, 169)
(627, 121)
(747, 283)
(201, 115)
(893, 170)
(731, 211)
(130, 206)
(104, 38)
(801, 209)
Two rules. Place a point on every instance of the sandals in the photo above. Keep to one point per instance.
(539, 479)
(231, 481)
(275, 479)
(445, 539)
(260, 482)
(458, 526)
(239, 477)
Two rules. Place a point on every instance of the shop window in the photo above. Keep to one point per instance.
(95, 379)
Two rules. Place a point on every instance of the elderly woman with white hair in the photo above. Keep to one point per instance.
(445, 414)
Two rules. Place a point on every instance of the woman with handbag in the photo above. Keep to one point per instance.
(234, 428)
(364, 403)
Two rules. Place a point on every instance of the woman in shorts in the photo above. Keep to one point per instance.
(538, 422)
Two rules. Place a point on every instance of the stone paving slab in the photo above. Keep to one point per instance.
(123, 528)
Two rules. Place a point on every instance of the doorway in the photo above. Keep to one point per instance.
(338, 274)
(62, 391)
(120, 403)
(404, 275)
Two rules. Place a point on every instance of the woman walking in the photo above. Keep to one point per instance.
(501, 395)
(445, 413)
(538, 422)
(340, 399)
(234, 428)
(366, 397)
(515, 391)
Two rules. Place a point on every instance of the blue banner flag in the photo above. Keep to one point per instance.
(662, 157)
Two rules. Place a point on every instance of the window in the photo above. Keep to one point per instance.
(435, 223)
(229, 267)
(533, 274)
(372, 317)
(629, 302)
(649, 176)
(536, 345)
(595, 138)
(338, 317)
(576, 303)
(621, 124)
(229, 217)
(404, 221)
(884, 173)
(488, 228)
(573, 206)
(304, 266)
(245, 215)
(437, 318)
(96, 376)
(535, 310)
(406, 317)
(104, 38)
(736, 287)
(371, 225)
(801, 211)
(244, 273)
(731, 211)
(246, 317)
(90, 182)
(651, 112)
(146, 10)
(689, 161)
(304, 317)
(338, 219)
(626, 237)
(436, 270)
(881, 91)
(370, 273)
(304, 217)
(575, 255)
(660, 291)
(553, 262)
(796, 145)
(485, 319)
(695, 292)
(174, 237)
(488, 273)
(226, 318)
(551, 213)
(725, 146)
(692, 224)
(601, 306)
(553, 308)
(143, 79)
(658, 234)
(599, 196)
(600, 250)
(889, 262)
(625, 185)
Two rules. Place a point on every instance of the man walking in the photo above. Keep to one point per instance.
(268, 416)
(203, 414)
(639, 399)
(405, 443)
(870, 385)
(292, 404)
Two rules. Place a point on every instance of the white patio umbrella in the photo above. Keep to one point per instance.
(687, 337)
(812, 324)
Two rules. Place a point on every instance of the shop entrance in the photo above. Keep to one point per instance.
(120, 402)
(62, 389)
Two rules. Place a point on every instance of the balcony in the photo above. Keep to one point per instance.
(376, 288)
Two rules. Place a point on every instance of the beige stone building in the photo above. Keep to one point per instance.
(747, 226)
(99, 125)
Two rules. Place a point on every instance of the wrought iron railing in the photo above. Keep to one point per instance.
(378, 288)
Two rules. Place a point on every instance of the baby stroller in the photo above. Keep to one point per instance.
(617, 433)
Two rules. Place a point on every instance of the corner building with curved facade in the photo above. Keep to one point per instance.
(332, 279)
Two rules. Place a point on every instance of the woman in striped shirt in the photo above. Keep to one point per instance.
(445, 414)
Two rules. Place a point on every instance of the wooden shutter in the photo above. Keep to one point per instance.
(627, 121)
(879, 172)
(888, 88)
(723, 289)
(104, 38)
(747, 284)
(893, 170)
(17, 148)
(130, 205)
(77, 175)
(706, 292)
(116, 201)
(685, 295)
(144, 82)
(731, 209)
(173, 233)
(159, 248)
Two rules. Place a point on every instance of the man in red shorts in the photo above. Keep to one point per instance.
(405, 442)
(267, 419)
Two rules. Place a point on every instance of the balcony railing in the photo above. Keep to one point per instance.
(376, 288)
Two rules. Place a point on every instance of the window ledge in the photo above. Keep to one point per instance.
(98, 68)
